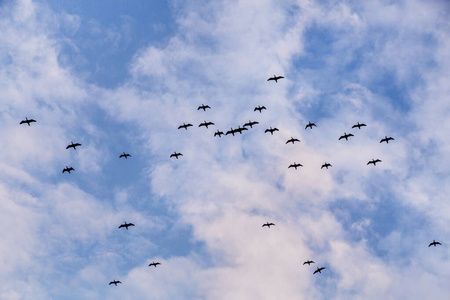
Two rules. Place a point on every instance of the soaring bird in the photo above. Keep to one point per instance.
(310, 125)
(308, 262)
(126, 225)
(67, 169)
(154, 264)
(346, 136)
(250, 123)
(260, 108)
(374, 162)
(326, 165)
(434, 243)
(206, 124)
(232, 131)
(176, 155)
(268, 224)
(185, 126)
(240, 129)
(126, 155)
(276, 78)
(292, 140)
(294, 165)
(271, 130)
(72, 145)
(204, 107)
(319, 270)
(359, 125)
(115, 282)
(219, 133)
(27, 121)
(387, 139)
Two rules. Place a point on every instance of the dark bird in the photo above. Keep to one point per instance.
(294, 165)
(240, 129)
(276, 78)
(115, 282)
(292, 140)
(359, 125)
(232, 131)
(346, 136)
(271, 130)
(185, 126)
(204, 107)
(154, 264)
(219, 133)
(67, 169)
(268, 224)
(310, 125)
(434, 243)
(326, 165)
(72, 145)
(126, 225)
(206, 124)
(319, 270)
(28, 121)
(387, 139)
(126, 155)
(250, 123)
(176, 155)
(260, 108)
(308, 262)
(374, 162)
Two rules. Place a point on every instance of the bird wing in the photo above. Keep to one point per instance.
(315, 271)
(341, 137)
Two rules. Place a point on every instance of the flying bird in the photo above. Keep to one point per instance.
(434, 243)
(72, 145)
(204, 107)
(326, 165)
(271, 130)
(359, 125)
(206, 124)
(292, 140)
(115, 282)
(268, 224)
(387, 139)
(232, 131)
(185, 126)
(276, 78)
(219, 133)
(154, 264)
(308, 262)
(346, 136)
(310, 125)
(374, 162)
(294, 165)
(67, 169)
(126, 155)
(319, 270)
(260, 108)
(126, 225)
(176, 155)
(27, 121)
(240, 129)
(250, 123)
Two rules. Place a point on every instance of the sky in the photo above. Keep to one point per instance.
(121, 76)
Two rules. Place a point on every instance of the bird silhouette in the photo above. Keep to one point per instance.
(434, 243)
(294, 165)
(154, 264)
(67, 169)
(326, 165)
(206, 124)
(126, 225)
(176, 155)
(271, 130)
(259, 108)
(310, 125)
(276, 78)
(126, 155)
(115, 282)
(26, 121)
(219, 133)
(387, 139)
(72, 145)
(319, 270)
(240, 129)
(250, 123)
(185, 126)
(346, 136)
(308, 262)
(374, 162)
(204, 107)
(292, 140)
(359, 125)
(268, 224)
(232, 131)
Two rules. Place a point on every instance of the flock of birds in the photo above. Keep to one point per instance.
(232, 132)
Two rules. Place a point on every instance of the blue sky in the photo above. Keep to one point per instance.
(121, 76)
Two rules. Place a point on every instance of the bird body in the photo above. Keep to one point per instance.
(275, 78)
(204, 107)
(292, 140)
(294, 165)
(250, 123)
(374, 162)
(206, 124)
(154, 264)
(259, 108)
(268, 224)
(346, 136)
(387, 139)
(326, 165)
(310, 125)
(26, 121)
(434, 243)
(175, 154)
(115, 282)
(126, 155)
(67, 169)
(240, 129)
(319, 270)
(219, 133)
(185, 126)
(271, 130)
(72, 145)
(308, 262)
(359, 125)
(232, 131)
